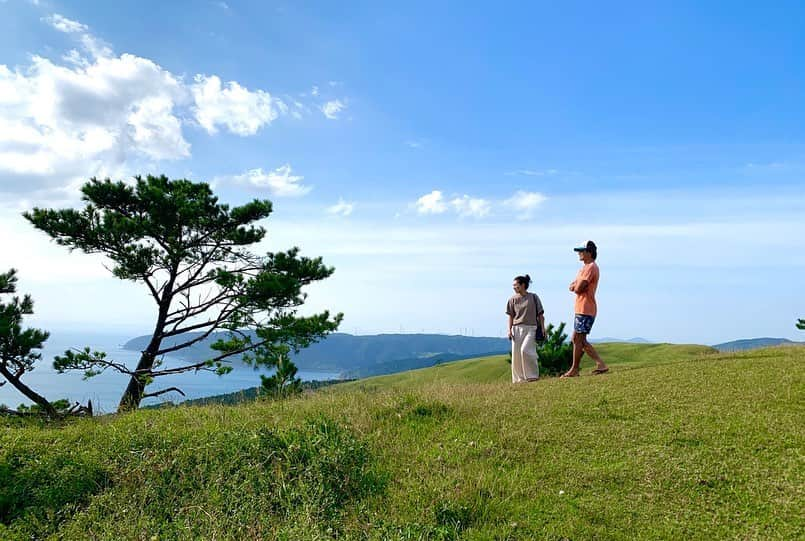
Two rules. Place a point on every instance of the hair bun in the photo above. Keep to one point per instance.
(528, 277)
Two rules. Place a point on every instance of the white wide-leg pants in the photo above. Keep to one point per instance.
(524, 353)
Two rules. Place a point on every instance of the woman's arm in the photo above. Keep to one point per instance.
(511, 322)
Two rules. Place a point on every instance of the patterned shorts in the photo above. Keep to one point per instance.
(583, 324)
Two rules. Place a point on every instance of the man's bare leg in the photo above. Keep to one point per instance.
(578, 351)
(590, 350)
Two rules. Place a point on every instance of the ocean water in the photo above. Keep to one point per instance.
(106, 389)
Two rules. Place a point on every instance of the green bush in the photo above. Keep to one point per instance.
(555, 353)
(283, 383)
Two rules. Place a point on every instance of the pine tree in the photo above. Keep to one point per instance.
(555, 353)
(19, 347)
(191, 254)
(283, 382)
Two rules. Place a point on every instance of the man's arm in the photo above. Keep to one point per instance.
(581, 287)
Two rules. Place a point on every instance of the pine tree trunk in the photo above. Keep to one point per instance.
(32, 395)
(135, 390)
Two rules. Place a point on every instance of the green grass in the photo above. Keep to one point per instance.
(675, 443)
(495, 369)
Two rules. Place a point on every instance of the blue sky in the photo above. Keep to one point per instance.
(432, 151)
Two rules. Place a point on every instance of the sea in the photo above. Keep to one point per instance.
(106, 389)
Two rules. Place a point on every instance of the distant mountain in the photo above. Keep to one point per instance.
(636, 340)
(754, 343)
(361, 355)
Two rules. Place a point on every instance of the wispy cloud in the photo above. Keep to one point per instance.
(63, 24)
(525, 203)
(415, 143)
(333, 108)
(473, 207)
(93, 45)
(342, 208)
(280, 182)
(533, 172)
(432, 203)
(773, 166)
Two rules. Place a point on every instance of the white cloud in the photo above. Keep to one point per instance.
(58, 123)
(525, 203)
(98, 114)
(467, 206)
(279, 182)
(223, 5)
(464, 205)
(342, 208)
(432, 203)
(243, 112)
(94, 46)
(314, 91)
(331, 109)
(63, 24)
(157, 132)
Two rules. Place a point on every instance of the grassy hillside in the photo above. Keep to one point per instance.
(495, 369)
(675, 443)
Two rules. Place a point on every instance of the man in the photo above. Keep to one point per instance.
(584, 287)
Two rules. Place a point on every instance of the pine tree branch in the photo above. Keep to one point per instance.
(163, 391)
(205, 365)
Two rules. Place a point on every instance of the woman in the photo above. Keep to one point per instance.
(525, 315)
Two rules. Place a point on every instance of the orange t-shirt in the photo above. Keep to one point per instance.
(585, 302)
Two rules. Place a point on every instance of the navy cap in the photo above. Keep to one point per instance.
(589, 247)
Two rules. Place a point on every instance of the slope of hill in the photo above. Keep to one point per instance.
(495, 368)
(362, 355)
(755, 343)
(672, 444)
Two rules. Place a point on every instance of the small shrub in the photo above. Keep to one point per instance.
(555, 353)
(283, 383)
